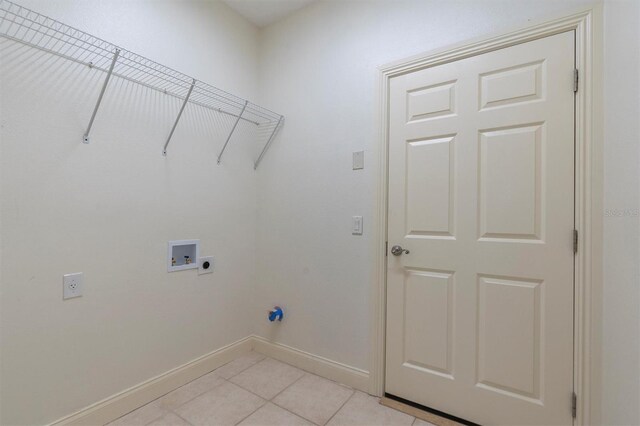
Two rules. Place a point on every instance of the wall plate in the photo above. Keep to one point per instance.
(356, 225)
(205, 265)
(358, 160)
(72, 285)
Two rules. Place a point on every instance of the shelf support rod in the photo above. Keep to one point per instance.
(233, 129)
(266, 146)
(85, 138)
(173, 129)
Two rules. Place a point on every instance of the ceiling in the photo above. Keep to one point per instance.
(266, 12)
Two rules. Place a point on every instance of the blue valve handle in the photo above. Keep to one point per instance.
(276, 314)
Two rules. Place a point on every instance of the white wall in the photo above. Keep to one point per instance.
(109, 208)
(621, 307)
(318, 68)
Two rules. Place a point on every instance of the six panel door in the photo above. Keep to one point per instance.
(481, 184)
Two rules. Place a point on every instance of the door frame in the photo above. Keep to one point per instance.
(589, 177)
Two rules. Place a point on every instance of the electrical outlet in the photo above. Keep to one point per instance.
(205, 265)
(72, 285)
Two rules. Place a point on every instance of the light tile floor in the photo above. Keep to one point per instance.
(259, 391)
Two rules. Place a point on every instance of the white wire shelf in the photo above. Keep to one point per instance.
(36, 30)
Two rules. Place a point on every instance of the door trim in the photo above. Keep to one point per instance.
(587, 24)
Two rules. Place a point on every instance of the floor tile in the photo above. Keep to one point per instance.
(272, 415)
(191, 390)
(169, 419)
(240, 364)
(419, 422)
(142, 416)
(314, 398)
(365, 410)
(226, 404)
(267, 378)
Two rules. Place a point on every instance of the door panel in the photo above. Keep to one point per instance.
(429, 181)
(429, 300)
(509, 351)
(520, 83)
(480, 311)
(509, 182)
(431, 101)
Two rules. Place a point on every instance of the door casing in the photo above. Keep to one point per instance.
(587, 24)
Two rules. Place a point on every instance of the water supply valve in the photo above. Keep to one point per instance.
(276, 314)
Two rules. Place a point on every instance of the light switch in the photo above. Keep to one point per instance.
(356, 225)
(358, 160)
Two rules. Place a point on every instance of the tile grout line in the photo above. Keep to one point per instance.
(246, 368)
(353, 392)
(163, 412)
(266, 401)
(286, 409)
(295, 414)
(304, 373)
(191, 399)
(251, 413)
(157, 418)
(287, 387)
(224, 380)
(180, 417)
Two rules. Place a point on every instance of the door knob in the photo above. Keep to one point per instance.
(398, 250)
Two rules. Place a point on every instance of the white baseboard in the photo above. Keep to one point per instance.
(121, 403)
(341, 373)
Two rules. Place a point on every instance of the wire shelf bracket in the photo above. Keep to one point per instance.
(266, 146)
(173, 129)
(85, 138)
(38, 31)
(233, 129)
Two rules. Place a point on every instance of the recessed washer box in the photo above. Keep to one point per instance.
(183, 254)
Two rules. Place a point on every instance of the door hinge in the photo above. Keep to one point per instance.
(574, 405)
(575, 80)
(575, 241)
(386, 248)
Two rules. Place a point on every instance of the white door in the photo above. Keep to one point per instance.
(481, 193)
